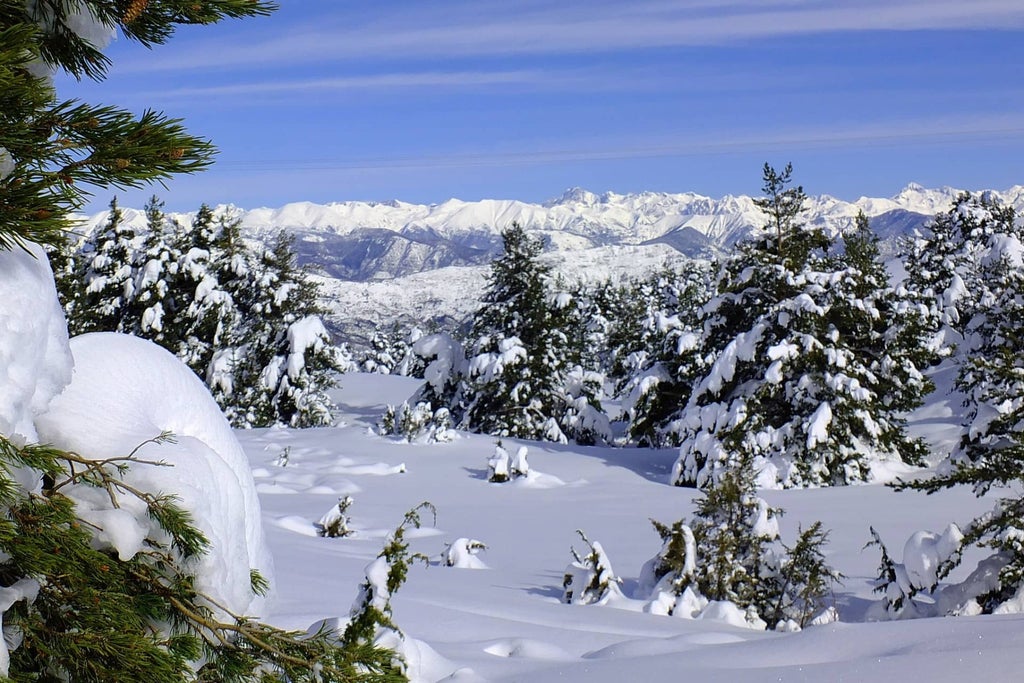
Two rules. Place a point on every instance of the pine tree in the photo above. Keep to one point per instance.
(811, 361)
(503, 396)
(523, 347)
(286, 360)
(590, 578)
(51, 149)
(731, 551)
(153, 302)
(669, 358)
(997, 583)
(991, 377)
(109, 277)
(81, 612)
(211, 316)
(943, 261)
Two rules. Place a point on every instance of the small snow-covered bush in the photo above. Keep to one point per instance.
(731, 552)
(462, 554)
(590, 578)
(502, 467)
(498, 465)
(417, 423)
(519, 467)
(334, 523)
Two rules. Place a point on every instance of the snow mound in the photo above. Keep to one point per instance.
(527, 648)
(124, 392)
(35, 363)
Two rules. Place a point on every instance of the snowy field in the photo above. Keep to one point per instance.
(505, 622)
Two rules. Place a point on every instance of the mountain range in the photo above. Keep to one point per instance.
(387, 261)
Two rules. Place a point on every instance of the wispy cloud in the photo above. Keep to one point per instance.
(452, 30)
(387, 81)
(931, 132)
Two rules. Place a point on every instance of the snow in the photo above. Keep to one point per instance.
(125, 392)
(925, 551)
(507, 623)
(6, 163)
(817, 428)
(463, 552)
(306, 334)
(24, 589)
(35, 362)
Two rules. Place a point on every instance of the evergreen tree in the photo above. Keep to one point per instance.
(286, 360)
(997, 582)
(521, 353)
(51, 150)
(944, 260)
(811, 360)
(590, 578)
(663, 370)
(731, 551)
(211, 316)
(153, 302)
(85, 614)
(79, 610)
(109, 277)
(991, 377)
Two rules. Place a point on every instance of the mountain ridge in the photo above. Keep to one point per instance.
(578, 219)
(383, 262)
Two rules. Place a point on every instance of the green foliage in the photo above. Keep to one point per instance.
(84, 614)
(372, 609)
(807, 580)
(59, 148)
(782, 205)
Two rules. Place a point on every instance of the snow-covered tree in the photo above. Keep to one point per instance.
(152, 302)
(384, 353)
(662, 370)
(507, 389)
(462, 554)
(731, 551)
(811, 359)
(991, 376)
(521, 349)
(991, 455)
(209, 320)
(370, 620)
(334, 523)
(499, 465)
(108, 277)
(943, 261)
(287, 360)
(444, 364)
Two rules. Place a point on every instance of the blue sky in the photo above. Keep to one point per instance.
(332, 100)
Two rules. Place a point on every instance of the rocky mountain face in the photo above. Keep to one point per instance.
(372, 254)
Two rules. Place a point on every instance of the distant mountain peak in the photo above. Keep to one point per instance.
(575, 195)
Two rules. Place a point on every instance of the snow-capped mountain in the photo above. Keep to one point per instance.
(376, 254)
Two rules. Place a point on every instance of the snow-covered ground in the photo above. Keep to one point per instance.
(506, 622)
